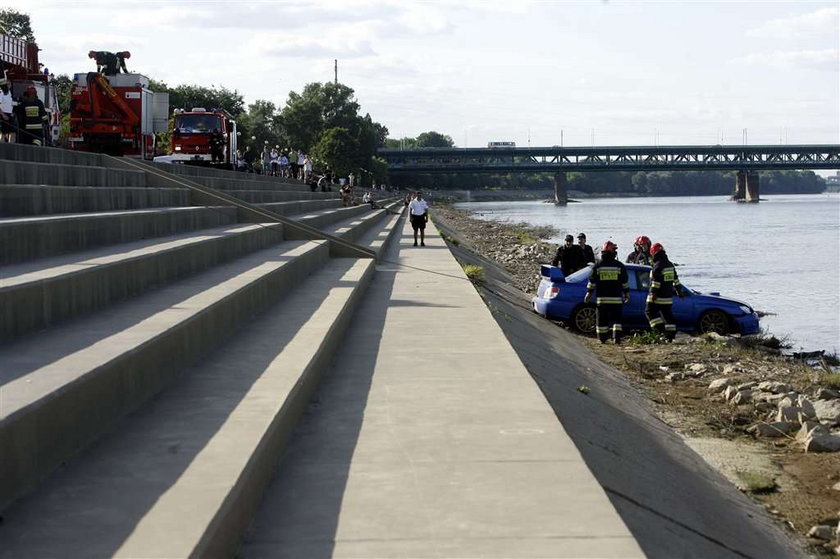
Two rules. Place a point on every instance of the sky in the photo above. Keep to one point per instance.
(575, 73)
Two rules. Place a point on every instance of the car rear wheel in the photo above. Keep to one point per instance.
(583, 319)
(715, 321)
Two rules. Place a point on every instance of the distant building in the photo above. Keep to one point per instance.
(833, 180)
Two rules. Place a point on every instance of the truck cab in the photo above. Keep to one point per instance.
(191, 134)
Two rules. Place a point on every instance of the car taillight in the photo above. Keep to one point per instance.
(552, 292)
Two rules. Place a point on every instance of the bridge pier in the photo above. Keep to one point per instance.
(752, 186)
(561, 198)
(740, 193)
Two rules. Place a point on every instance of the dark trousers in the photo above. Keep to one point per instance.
(661, 319)
(608, 318)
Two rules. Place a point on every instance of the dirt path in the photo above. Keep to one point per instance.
(797, 488)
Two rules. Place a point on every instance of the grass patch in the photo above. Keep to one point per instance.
(648, 337)
(766, 340)
(524, 237)
(474, 273)
(827, 379)
(757, 482)
(449, 239)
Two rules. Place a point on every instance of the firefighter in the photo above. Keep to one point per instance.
(663, 284)
(32, 117)
(109, 63)
(641, 248)
(568, 256)
(608, 279)
(217, 146)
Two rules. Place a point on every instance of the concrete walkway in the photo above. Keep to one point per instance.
(428, 438)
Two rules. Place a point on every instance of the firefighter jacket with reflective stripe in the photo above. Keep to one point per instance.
(608, 279)
(663, 280)
(638, 257)
(32, 114)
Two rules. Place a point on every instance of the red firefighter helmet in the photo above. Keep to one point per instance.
(31, 89)
(655, 248)
(642, 240)
(609, 246)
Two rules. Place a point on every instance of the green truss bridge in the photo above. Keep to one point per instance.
(747, 160)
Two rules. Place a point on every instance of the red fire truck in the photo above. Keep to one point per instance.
(21, 69)
(191, 135)
(116, 114)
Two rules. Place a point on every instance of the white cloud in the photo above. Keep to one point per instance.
(810, 25)
(826, 59)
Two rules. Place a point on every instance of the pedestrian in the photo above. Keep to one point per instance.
(641, 252)
(307, 168)
(283, 164)
(418, 211)
(608, 279)
(568, 257)
(664, 284)
(31, 117)
(7, 110)
(217, 146)
(274, 161)
(587, 254)
(300, 164)
(266, 159)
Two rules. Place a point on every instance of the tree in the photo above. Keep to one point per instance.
(260, 125)
(16, 24)
(433, 139)
(338, 150)
(189, 96)
(318, 108)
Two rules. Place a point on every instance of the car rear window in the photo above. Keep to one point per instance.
(580, 275)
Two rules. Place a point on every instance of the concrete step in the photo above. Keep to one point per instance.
(356, 227)
(63, 387)
(182, 476)
(296, 207)
(245, 184)
(28, 199)
(28, 238)
(36, 295)
(321, 219)
(21, 152)
(212, 172)
(59, 174)
(266, 196)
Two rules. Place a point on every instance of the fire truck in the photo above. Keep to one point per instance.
(19, 66)
(191, 134)
(116, 114)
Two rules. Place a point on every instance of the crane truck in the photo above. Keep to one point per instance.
(20, 68)
(116, 114)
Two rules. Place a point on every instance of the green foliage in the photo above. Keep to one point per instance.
(474, 273)
(63, 83)
(757, 482)
(583, 389)
(338, 149)
(189, 96)
(524, 237)
(16, 24)
(379, 170)
(648, 337)
(434, 139)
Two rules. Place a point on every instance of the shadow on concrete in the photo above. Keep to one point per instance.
(91, 506)
(673, 502)
(409, 303)
(300, 511)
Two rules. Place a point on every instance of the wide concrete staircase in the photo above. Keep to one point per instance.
(161, 329)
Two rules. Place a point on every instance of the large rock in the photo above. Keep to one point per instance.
(729, 393)
(817, 442)
(806, 406)
(807, 428)
(827, 411)
(775, 429)
(774, 386)
(719, 385)
(789, 413)
(742, 397)
(827, 394)
(822, 532)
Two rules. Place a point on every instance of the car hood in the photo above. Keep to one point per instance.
(718, 299)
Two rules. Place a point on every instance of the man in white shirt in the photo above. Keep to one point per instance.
(7, 106)
(418, 211)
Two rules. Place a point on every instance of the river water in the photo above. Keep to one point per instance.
(782, 255)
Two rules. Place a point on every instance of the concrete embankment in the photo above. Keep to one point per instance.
(674, 503)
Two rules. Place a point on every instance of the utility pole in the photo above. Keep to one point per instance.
(336, 71)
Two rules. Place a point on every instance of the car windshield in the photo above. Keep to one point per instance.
(197, 124)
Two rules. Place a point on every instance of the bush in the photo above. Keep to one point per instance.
(474, 273)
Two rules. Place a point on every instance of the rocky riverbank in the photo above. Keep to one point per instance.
(770, 423)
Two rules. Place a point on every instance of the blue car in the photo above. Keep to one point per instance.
(561, 299)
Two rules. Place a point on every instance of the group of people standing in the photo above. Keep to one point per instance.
(25, 120)
(288, 163)
(609, 281)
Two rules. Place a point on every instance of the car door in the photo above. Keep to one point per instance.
(634, 311)
(683, 309)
